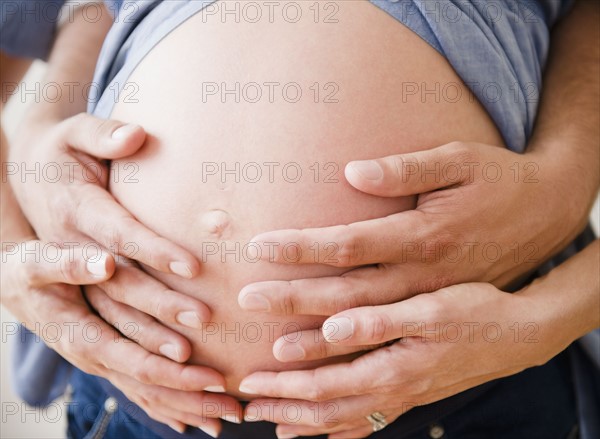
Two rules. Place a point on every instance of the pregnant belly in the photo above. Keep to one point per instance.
(251, 125)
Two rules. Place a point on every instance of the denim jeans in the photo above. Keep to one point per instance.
(536, 403)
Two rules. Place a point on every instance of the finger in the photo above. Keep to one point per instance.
(312, 417)
(116, 229)
(193, 408)
(326, 296)
(46, 263)
(202, 406)
(380, 324)
(310, 345)
(292, 431)
(198, 409)
(128, 358)
(361, 376)
(373, 241)
(364, 431)
(97, 348)
(102, 138)
(133, 287)
(357, 433)
(413, 173)
(140, 327)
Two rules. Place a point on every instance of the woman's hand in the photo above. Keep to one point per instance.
(481, 332)
(63, 191)
(61, 186)
(35, 272)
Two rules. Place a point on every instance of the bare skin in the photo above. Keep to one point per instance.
(176, 197)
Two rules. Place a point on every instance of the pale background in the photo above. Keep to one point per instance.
(43, 424)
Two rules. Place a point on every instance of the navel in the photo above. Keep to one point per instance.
(216, 223)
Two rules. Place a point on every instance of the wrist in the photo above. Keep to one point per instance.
(564, 302)
(567, 180)
(552, 330)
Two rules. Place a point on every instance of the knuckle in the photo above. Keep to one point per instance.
(68, 268)
(378, 327)
(152, 397)
(342, 295)
(419, 389)
(29, 274)
(114, 290)
(432, 309)
(141, 373)
(101, 130)
(351, 250)
(161, 309)
(324, 349)
(316, 393)
(65, 207)
(288, 303)
(397, 166)
(110, 236)
(461, 152)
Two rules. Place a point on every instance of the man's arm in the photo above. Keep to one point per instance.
(13, 225)
(567, 132)
(562, 305)
(38, 291)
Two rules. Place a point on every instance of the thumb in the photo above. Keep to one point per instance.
(47, 263)
(102, 138)
(413, 173)
(369, 325)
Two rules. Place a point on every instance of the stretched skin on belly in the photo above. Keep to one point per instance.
(197, 176)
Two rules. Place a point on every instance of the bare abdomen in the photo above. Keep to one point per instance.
(221, 167)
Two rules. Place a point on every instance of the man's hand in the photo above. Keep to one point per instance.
(482, 332)
(483, 214)
(40, 273)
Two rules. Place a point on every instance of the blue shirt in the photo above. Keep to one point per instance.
(499, 49)
(28, 27)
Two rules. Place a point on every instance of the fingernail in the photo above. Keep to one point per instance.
(231, 418)
(189, 319)
(252, 414)
(178, 428)
(245, 388)
(124, 131)
(215, 389)
(368, 169)
(338, 329)
(255, 302)
(97, 266)
(286, 435)
(171, 351)
(210, 430)
(291, 352)
(181, 269)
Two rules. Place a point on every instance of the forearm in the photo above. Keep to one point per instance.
(13, 225)
(567, 131)
(566, 302)
(73, 60)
